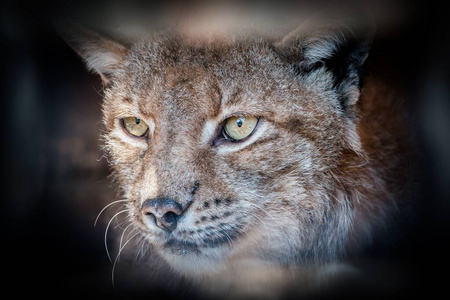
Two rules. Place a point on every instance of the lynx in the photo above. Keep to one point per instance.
(248, 157)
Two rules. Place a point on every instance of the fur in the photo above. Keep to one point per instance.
(314, 183)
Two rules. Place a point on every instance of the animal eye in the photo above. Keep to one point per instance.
(238, 128)
(135, 126)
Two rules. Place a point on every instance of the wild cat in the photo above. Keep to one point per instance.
(245, 160)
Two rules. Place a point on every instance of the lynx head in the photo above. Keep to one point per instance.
(229, 150)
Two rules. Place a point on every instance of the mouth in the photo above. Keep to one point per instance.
(204, 250)
(220, 239)
(178, 247)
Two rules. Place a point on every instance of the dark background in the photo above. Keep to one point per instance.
(54, 177)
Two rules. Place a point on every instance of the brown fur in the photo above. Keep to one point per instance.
(320, 175)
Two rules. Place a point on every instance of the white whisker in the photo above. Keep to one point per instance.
(123, 233)
(140, 251)
(249, 234)
(106, 231)
(265, 211)
(230, 241)
(272, 217)
(118, 255)
(119, 225)
(112, 203)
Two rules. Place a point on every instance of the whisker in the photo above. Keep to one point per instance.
(263, 223)
(230, 241)
(249, 234)
(140, 251)
(112, 203)
(119, 225)
(106, 231)
(272, 217)
(265, 211)
(118, 255)
(123, 233)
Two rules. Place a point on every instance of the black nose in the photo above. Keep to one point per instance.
(165, 211)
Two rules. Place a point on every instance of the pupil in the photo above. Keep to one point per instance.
(239, 122)
(137, 120)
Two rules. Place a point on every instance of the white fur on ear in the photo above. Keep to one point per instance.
(312, 42)
(101, 55)
(338, 46)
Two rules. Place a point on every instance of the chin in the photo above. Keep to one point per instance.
(187, 259)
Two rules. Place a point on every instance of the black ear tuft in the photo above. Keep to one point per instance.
(340, 47)
(349, 63)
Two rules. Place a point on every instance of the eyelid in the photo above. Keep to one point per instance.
(143, 136)
(262, 131)
(236, 114)
(219, 141)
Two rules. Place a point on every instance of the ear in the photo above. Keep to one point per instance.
(101, 55)
(338, 48)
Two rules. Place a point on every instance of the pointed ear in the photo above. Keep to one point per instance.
(101, 54)
(340, 48)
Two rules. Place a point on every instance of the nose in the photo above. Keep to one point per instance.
(164, 211)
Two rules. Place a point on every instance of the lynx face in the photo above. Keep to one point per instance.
(200, 196)
(239, 150)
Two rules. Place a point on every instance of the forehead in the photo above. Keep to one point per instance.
(170, 77)
(166, 61)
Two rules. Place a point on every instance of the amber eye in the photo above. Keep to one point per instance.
(238, 128)
(135, 126)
